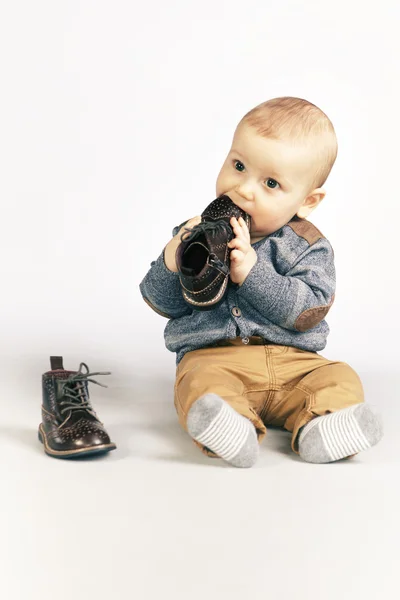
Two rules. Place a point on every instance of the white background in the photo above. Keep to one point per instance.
(115, 120)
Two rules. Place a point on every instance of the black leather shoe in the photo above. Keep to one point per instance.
(203, 256)
(70, 427)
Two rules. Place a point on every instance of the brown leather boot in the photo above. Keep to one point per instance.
(70, 427)
(203, 257)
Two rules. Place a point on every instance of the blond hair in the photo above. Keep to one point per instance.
(301, 122)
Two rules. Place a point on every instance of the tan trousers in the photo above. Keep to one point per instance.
(267, 383)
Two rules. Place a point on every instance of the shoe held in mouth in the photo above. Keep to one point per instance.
(203, 257)
(70, 427)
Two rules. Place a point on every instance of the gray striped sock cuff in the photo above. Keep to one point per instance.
(226, 433)
(216, 425)
(339, 434)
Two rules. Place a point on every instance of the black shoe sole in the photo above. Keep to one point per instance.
(90, 451)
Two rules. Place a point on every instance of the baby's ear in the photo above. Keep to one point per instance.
(311, 202)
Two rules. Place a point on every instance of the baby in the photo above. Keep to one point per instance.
(254, 360)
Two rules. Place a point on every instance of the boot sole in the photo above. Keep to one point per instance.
(73, 453)
(207, 304)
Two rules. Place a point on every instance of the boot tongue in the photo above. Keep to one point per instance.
(57, 368)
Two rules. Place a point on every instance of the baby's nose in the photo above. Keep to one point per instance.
(237, 195)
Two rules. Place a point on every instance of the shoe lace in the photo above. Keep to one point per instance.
(210, 226)
(75, 392)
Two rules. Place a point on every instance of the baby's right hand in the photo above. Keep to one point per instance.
(172, 246)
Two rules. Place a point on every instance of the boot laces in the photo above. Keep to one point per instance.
(213, 227)
(74, 390)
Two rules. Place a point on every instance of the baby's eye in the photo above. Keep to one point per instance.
(237, 162)
(273, 182)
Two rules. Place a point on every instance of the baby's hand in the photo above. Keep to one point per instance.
(172, 246)
(243, 256)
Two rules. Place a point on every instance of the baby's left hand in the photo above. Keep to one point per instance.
(243, 256)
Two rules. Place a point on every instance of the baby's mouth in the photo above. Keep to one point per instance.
(233, 196)
(236, 198)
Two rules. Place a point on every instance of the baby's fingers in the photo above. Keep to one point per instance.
(237, 256)
(240, 228)
(239, 244)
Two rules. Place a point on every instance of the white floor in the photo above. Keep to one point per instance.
(156, 519)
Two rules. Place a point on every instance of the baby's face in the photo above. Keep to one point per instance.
(268, 179)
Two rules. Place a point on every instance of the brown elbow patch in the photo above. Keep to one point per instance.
(312, 316)
(156, 309)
